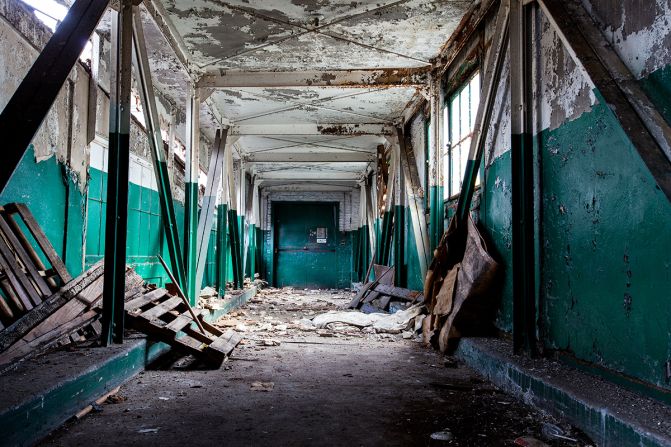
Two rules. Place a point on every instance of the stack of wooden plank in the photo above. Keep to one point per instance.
(40, 304)
(25, 280)
(168, 319)
(60, 318)
(380, 294)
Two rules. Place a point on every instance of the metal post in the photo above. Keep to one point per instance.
(116, 219)
(437, 210)
(524, 301)
(209, 202)
(399, 217)
(25, 111)
(233, 232)
(492, 75)
(191, 194)
(222, 238)
(152, 122)
(415, 195)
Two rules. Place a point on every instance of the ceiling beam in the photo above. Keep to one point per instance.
(312, 129)
(387, 77)
(309, 157)
(315, 175)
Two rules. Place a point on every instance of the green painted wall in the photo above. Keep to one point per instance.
(606, 249)
(658, 88)
(605, 252)
(496, 219)
(145, 231)
(413, 276)
(55, 201)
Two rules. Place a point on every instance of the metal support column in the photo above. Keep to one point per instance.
(233, 231)
(222, 236)
(415, 195)
(437, 207)
(209, 202)
(384, 245)
(524, 300)
(116, 220)
(192, 172)
(492, 75)
(371, 218)
(152, 123)
(399, 217)
(27, 108)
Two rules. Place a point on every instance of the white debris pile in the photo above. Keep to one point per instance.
(298, 313)
(396, 323)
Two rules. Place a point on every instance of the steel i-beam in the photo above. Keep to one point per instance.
(206, 218)
(415, 195)
(116, 219)
(191, 195)
(161, 172)
(437, 207)
(524, 302)
(25, 111)
(492, 75)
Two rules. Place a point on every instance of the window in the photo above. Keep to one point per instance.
(458, 122)
(52, 13)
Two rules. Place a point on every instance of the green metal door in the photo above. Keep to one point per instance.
(305, 244)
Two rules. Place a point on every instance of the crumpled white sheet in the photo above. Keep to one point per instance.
(389, 323)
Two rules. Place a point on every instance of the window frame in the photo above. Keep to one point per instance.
(446, 152)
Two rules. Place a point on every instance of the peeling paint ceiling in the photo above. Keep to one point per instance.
(220, 37)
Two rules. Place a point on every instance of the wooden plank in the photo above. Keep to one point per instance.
(66, 320)
(9, 291)
(25, 259)
(15, 284)
(182, 321)
(27, 246)
(384, 302)
(135, 304)
(192, 345)
(6, 310)
(41, 239)
(399, 292)
(49, 306)
(225, 343)
(162, 308)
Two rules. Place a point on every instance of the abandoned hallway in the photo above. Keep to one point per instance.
(335, 222)
(294, 384)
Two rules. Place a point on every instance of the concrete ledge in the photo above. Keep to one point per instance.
(609, 414)
(39, 395)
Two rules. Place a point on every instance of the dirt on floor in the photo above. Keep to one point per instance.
(290, 383)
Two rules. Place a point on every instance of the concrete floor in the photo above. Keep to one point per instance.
(329, 388)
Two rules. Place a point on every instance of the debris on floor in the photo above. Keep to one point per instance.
(380, 294)
(299, 313)
(397, 391)
(262, 386)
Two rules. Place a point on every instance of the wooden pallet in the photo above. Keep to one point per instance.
(25, 280)
(167, 318)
